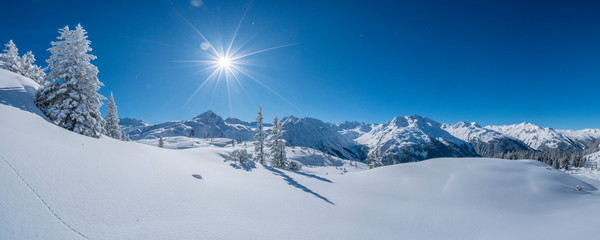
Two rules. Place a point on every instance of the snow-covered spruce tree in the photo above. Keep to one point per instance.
(161, 143)
(277, 146)
(71, 98)
(259, 139)
(373, 158)
(30, 70)
(111, 126)
(10, 58)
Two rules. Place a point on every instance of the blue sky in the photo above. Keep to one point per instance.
(493, 62)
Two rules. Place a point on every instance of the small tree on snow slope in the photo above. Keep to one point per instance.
(30, 70)
(10, 58)
(22, 65)
(259, 139)
(239, 155)
(277, 146)
(161, 143)
(374, 158)
(111, 127)
(71, 99)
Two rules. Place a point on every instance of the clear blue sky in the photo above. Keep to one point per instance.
(493, 62)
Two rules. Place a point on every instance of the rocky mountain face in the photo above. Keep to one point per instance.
(314, 133)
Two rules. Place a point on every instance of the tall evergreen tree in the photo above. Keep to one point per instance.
(259, 139)
(71, 98)
(111, 127)
(10, 58)
(277, 146)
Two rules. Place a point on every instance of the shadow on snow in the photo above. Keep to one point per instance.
(20, 98)
(294, 183)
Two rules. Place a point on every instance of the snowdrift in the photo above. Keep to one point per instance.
(55, 184)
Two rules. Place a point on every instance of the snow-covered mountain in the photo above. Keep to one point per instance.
(485, 142)
(205, 125)
(413, 138)
(132, 126)
(304, 132)
(549, 139)
(404, 139)
(314, 133)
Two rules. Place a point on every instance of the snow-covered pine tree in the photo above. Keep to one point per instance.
(161, 143)
(259, 139)
(71, 98)
(277, 146)
(373, 158)
(30, 70)
(111, 126)
(10, 58)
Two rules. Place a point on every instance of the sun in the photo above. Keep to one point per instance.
(228, 62)
(224, 62)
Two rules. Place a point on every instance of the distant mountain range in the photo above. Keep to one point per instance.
(404, 139)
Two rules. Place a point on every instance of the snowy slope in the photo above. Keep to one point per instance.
(354, 129)
(312, 160)
(413, 138)
(56, 184)
(485, 142)
(549, 139)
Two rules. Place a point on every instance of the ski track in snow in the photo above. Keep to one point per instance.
(43, 201)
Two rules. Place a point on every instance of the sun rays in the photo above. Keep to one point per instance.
(227, 62)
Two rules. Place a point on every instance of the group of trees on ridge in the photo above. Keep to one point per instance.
(274, 143)
(69, 85)
(559, 160)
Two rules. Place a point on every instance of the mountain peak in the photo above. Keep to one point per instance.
(209, 117)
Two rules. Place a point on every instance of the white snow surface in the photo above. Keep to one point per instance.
(56, 184)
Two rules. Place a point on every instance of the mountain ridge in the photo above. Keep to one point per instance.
(413, 137)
